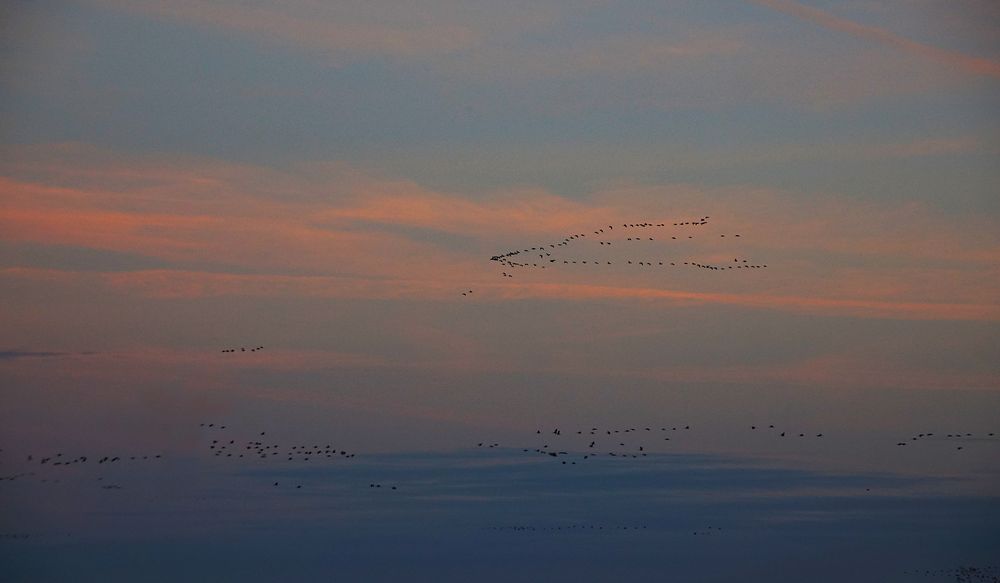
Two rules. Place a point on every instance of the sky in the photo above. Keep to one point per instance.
(330, 180)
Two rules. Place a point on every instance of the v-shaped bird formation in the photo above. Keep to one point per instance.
(646, 244)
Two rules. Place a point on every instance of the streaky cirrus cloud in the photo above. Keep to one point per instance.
(667, 56)
(345, 31)
(969, 64)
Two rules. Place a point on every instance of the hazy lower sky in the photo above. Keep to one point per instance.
(326, 179)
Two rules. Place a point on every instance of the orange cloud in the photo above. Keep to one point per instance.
(245, 233)
(336, 232)
(969, 64)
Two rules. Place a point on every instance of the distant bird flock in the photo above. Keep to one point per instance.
(568, 448)
(225, 445)
(243, 349)
(636, 442)
(546, 255)
(58, 460)
(632, 245)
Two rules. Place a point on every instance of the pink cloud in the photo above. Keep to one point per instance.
(337, 232)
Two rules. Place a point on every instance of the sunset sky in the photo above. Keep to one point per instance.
(325, 179)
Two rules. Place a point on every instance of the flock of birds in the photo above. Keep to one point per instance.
(637, 442)
(46, 468)
(59, 460)
(948, 436)
(611, 442)
(243, 349)
(550, 254)
(985, 574)
(568, 448)
(258, 448)
(525, 257)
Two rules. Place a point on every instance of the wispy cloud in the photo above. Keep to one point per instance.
(345, 31)
(521, 58)
(14, 354)
(174, 284)
(969, 64)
